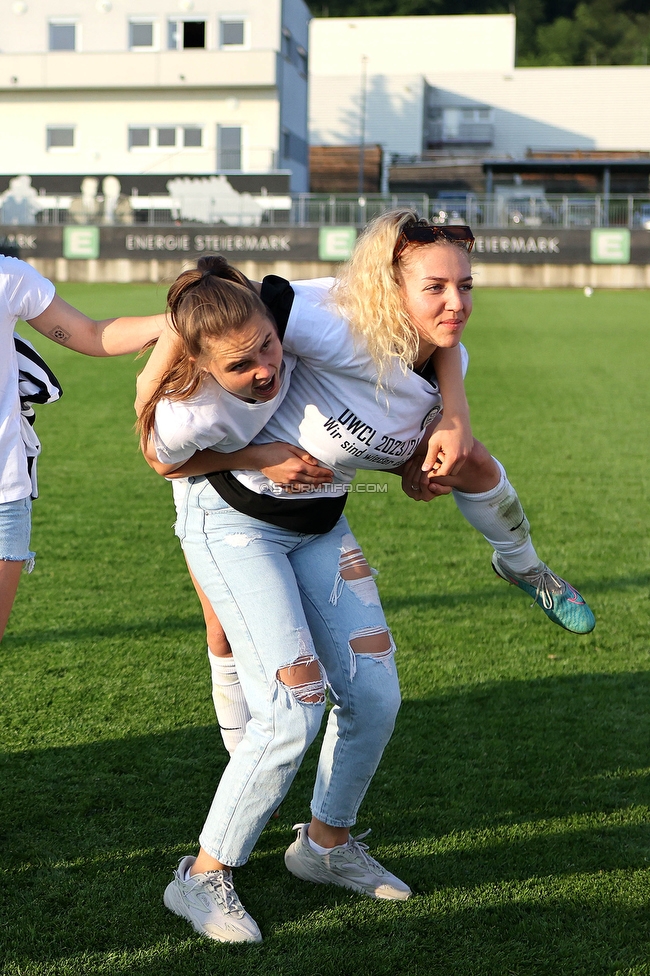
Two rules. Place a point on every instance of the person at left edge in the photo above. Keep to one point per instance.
(26, 294)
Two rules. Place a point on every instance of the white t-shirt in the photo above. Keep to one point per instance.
(333, 408)
(24, 294)
(212, 418)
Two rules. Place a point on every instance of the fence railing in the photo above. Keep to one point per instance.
(498, 210)
(512, 209)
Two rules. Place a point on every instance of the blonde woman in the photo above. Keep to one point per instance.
(392, 292)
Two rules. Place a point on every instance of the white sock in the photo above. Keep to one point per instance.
(498, 515)
(316, 847)
(229, 702)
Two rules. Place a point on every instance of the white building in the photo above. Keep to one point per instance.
(389, 60)
(449, 83)
(159, 87)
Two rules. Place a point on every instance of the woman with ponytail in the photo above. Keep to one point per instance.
(195, 395)
(288, 581)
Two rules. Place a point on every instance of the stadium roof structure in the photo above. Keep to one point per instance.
(601, 166)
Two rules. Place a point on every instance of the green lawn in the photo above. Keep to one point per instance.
(514, 796)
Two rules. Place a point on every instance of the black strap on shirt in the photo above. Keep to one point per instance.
(427, 372)
(312, 516)
(278, 295)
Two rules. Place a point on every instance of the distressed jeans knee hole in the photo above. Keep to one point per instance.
(304, 679)
(355, 573)
(373, 642)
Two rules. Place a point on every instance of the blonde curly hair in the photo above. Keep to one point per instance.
(368, 292)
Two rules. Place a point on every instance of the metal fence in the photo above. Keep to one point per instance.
(497, 210)
(502, 209)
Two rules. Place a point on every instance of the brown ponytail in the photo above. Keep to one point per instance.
(205, 303)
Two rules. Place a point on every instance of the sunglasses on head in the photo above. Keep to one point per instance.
(423, 233)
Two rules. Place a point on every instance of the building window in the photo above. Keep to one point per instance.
(229, 147)
(60, 137)
(460, 125)
(63, 36)
(192, 137)
(167, 136)
(142, 35)
(476, 115)
(232, 33)
(139, 138)
(194, 33)
(186, 34)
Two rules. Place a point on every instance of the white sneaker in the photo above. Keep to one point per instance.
(210, 903)
(347, 865)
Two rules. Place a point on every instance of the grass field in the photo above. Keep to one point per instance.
(514, 796)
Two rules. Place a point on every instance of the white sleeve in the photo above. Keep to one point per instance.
(178, 433)
(315, 331)
(29, 293)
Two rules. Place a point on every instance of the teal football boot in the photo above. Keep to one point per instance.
(558, 599)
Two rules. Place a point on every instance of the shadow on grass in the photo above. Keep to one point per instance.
(516, 810)
(617, 583)
(479, 595)
(164, 626)
(157, 626)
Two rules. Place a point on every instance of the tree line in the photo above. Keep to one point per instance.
(549, 32)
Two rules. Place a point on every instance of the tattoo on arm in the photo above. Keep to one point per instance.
(59, 334)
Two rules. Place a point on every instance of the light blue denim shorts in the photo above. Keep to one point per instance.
(15, 531)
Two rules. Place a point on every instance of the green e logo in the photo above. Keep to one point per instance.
(81, 242)
(610, 246)
(336, 243)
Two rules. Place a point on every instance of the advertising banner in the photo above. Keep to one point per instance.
(603, 245)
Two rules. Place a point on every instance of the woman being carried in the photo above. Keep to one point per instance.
(214, 401)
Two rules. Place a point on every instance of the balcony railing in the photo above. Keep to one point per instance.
(466, 134)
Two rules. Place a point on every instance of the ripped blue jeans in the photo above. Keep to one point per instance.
(285, 598)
